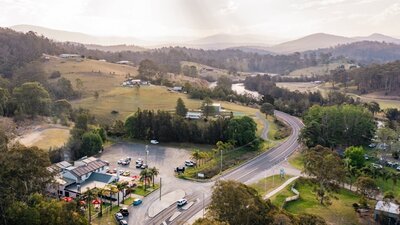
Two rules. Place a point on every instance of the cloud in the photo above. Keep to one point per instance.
(392, 10)
(230, 8)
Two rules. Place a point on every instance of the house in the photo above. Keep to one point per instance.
(194, 115)
(216, 108)
(387, 212)
(70, 56)
(124, 62)
(73, 180)
(177, 88)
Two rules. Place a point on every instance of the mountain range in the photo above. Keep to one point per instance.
(248, 43)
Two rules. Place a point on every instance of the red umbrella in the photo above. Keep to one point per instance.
(67, 199)
(96, 201)
(82, 202)
(135, 177)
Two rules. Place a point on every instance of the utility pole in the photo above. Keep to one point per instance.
(221, 162)
(203, 205)
(160, 188)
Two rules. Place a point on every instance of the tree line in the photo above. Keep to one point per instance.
(165, 127)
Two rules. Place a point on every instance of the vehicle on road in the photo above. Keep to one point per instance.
(126, 173)
(154, 142)
(124, 211)
(189, 163)
(123, 222)
(181, 202)
(137, 201)
(180, 169)
(119, 216)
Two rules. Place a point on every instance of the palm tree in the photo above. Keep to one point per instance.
(90, 193)
(196, 155)
(100, 193)
(154, 172)
(145, 174)
(122, 186)
(110, 190)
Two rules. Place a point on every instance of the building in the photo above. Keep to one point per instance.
(388, 212)
(73, 180)
(194, 115)
(177, 88)
(124, 62)
(70, 56)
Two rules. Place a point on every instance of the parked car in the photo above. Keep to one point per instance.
(137, 201)
(128, 158)
(139, 165)
(125, 162)
(189, 163)
(119, 216)
(107, 163)
(120, 172)
(144, 166)
(123, 222)
(154, 142)
(398, 168)
(114, 170)
(126, 173)
(120, 161)
(139, 161)
(181, 202)
(377, 166)
(124, 211)
(366, 157)
(180, 169)
(372, 145)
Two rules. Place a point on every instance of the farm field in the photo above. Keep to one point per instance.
(321, 70)
(298, 86)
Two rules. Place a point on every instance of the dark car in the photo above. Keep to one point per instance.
(124, 211)
(123, 222)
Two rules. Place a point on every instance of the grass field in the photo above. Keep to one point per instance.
(268, 184)
(96, 75)
(317, 70)
(296, 160)
(339, 212)
(298, 86)
(46, 138)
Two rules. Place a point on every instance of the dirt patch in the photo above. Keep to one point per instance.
(44, 136)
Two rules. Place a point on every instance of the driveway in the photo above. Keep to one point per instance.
(166, 159)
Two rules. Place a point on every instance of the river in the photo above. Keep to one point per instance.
(239, 88)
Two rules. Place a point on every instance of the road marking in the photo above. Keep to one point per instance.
(164, 223)
(176, 214)
(246, 174)
(187, 206)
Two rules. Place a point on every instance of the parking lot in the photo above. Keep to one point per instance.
(165, 159)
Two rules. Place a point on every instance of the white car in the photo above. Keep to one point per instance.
(119, 216)
(120, 161)
(181, 202)
(398, 168)
(189, 163)
(154, 142)
(377, 166)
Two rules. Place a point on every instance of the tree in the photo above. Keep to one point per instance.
(386, 135)
(121, 186)
(373, 107)
(327, 168)
(32, 99)
(332, 126)
(207, 221)
(241, 130)
(180, 108)
(207, 107)
(366, 186)
(91, 144)
(355, 156)
(236, 203)
(96, 95)
(154, 173)
(267, 108)
(145, 175)
(4, 100)
(110, 190)
(147, 69)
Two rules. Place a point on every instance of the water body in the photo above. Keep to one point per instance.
(238, 88)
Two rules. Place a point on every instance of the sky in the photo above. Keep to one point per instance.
(277, 19)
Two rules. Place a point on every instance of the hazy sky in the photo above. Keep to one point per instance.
(195, 18)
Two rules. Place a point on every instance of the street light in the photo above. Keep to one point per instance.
(147, 153)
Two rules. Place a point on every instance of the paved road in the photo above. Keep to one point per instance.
(201, 195)
(264, 132)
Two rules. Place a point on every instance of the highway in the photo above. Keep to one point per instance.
(243, 173)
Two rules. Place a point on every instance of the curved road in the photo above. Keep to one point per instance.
(201, 196)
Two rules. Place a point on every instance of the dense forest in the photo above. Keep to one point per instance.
(377, 77)
(366, 52)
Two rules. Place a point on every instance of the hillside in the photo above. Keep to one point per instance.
(64, 36)
(116, 48)
(379, 38)
(310, 42)
(221, 41)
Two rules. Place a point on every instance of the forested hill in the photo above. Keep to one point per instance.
(366, 52)
(17, 49)
(378, 77)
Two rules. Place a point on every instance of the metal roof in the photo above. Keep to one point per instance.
(88, 167)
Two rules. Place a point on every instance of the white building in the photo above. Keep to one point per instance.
(387, 211)
(194, 115)
(70, 56)
(73, 180)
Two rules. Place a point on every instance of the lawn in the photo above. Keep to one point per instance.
(140, 190)
(269, 184)
(296, 160)
(317, 70)
(339, 212)
(107, 218)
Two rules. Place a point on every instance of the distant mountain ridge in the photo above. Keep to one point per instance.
(247, 43)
